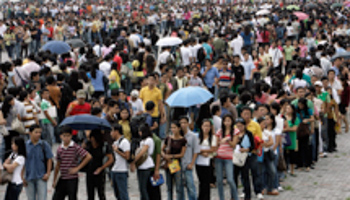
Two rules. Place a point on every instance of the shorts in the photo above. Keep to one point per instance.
(342, 109)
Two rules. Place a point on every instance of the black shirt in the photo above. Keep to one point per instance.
(98, 154)
(239, 74)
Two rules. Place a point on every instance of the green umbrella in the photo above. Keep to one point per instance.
(293, 7)
(336, 5)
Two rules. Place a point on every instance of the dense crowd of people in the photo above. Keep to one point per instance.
(280, 82)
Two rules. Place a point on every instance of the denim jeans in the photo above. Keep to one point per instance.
(9, 50)
(191, 188)
(66, 187)
(36, 189)
(13, 191)
(143, 179)
(18, 50)
(178, 182)
(163, 26)
(270, 169)
(48, 133)
(120, 185)
(220, 164)
(178, 23)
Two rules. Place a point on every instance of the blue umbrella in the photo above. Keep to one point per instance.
(189, 96)
(57, 47)
(85, 122)
(345, 55)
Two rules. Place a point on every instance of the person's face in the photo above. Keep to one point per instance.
(331, 75)
(313, 79)
(115, 109)
(124, 114)
(325, 83)
(227, 122)
(45, 95)
(206, 127)
(12, 102)
(246, 56)
(301, 93)
(240, 127)
(300, 105)
(114, 134)
(318, 89)
(81, 101)
(14, 147)
(35, 134)
(184, 124)
(263, 124)
(66, 138)
(122, 96)
(268, 120)
(195, 71)
(151, 81)
(174, 129)
(246, 115)
(288, 43)
(180, 73)
(262, 111)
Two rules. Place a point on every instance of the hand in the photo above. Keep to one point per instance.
(46, 177)
(224, 140)
(205, 154)
(242, 150)
(115, 148)
(98, 171)
(54, 184)
(132, 167)
(305, 121)
(54, 123)
(190, 167)
(25, 184)
(156, 175)
(73, 170)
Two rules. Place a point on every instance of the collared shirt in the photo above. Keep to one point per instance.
(209, 78)
(248, 68)
(35, 161)
(192, 148)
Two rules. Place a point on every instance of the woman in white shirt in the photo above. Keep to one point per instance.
(269, 155)
(14, 164)
(207, 142)
(144, 161)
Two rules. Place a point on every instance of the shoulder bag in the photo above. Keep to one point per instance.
(239, 158)
(17, 126)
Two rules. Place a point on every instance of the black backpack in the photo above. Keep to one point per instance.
(201, 54)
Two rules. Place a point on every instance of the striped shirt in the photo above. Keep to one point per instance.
(68, 157)
(225, 78)
(225, 151)
(30, 115)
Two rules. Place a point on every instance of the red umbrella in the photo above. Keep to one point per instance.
(346, 3)
(301, 15)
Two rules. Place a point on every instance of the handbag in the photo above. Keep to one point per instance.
(158, 182)
(17, 126)
(303, 130)
(143, 157)
(4, 131)
(281, 165)
(5, 177)
(239, 158)
(286, 140)
(125, 70)
(163, 163)
(174, 166)
(28, 40)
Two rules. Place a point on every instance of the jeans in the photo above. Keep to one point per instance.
(163, 26)
(143, 179)
(191, 188)
(178, 23)
(9, 50)
(13, 191)
(270, 169)
(178, 182)
(220, 164)
(48, 133)
(120, 185)
(95, 182)
(204, 181)
(256, 171)
(18, 50)
(36, 189)
(66, 188)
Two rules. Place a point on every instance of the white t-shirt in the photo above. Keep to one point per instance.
(217, 123)
(266, 134)
(205, 161)
(137, 106)
(20, 160)
(276, 55)
(120, 164)
(149, 162)
(105, 67)
(97, 50)
(298, 83)
(237, 45)
(186, 54)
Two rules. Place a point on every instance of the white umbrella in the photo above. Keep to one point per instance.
(263, 12)
(168, 41)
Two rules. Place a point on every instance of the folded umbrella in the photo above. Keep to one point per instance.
(189, 96)
(86, 122)
(57, 47)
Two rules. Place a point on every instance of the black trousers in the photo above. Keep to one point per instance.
(244, 172)
(95, 182)
(304, 152)
(153, 191)
(66, 188)
(203, 173)
(331, 135)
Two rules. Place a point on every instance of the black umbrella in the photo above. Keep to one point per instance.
(311, 6)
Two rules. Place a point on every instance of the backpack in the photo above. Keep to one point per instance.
(280, 32)
(201, 54)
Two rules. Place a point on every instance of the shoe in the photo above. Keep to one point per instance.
(260, 196)
(242, 196)
(280, 189)
(273, 192)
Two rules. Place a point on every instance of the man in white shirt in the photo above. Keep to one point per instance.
(276, 55)
(194, 49)
(3, 28)
(236, 44)
(163, 57)
(105, 66)
(135, 38)
(97, 48)
(136, 103)
(186, 54)
(326, 64)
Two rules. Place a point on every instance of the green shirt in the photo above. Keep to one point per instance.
(310, 104)
(288, 51)
(293, 135)
(157, 147)
(45, 105)
(324, 97)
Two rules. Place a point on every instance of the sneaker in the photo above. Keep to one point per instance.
(260, 196)
(242, 196)
(280, 189)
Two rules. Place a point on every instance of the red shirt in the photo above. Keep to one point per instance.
(117, 59)
(79, 109)
(51, 32)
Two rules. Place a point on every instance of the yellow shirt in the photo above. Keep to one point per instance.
(114, 75)
(255, 129)
(126, 129)
(154, 95)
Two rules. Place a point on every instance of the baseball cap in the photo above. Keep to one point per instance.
(318, 83)
(81, 94)
(134, 93)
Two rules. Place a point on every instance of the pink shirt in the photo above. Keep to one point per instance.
(225, 151)
(303, 51)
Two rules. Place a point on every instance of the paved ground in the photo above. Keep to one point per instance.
(329, 181)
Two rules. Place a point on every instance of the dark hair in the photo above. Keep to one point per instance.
(95, 110)
(275, 106)
(272, 117)
(19, 142)
(223, 128)
(94, 68)
(6, 107)
(50, 80)
(146, 131)
(201, 135)
(34, 126)
(177, 123)
(305, 109)
(112, 103)
(149, 105)
(96, 133)
(23, 95)
(117, 127)
(215, 109)
(66, 129)
(294, 115)
(183, 117)
(240, 120)
(260, 119)
(247, 108)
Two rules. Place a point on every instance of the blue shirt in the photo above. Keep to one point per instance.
(98, 81)
(149, 120)
(336, 70)
(35, 166)
(248, 68)
(224, 112)
(247, 38)
(208, 50)
(209, 78)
